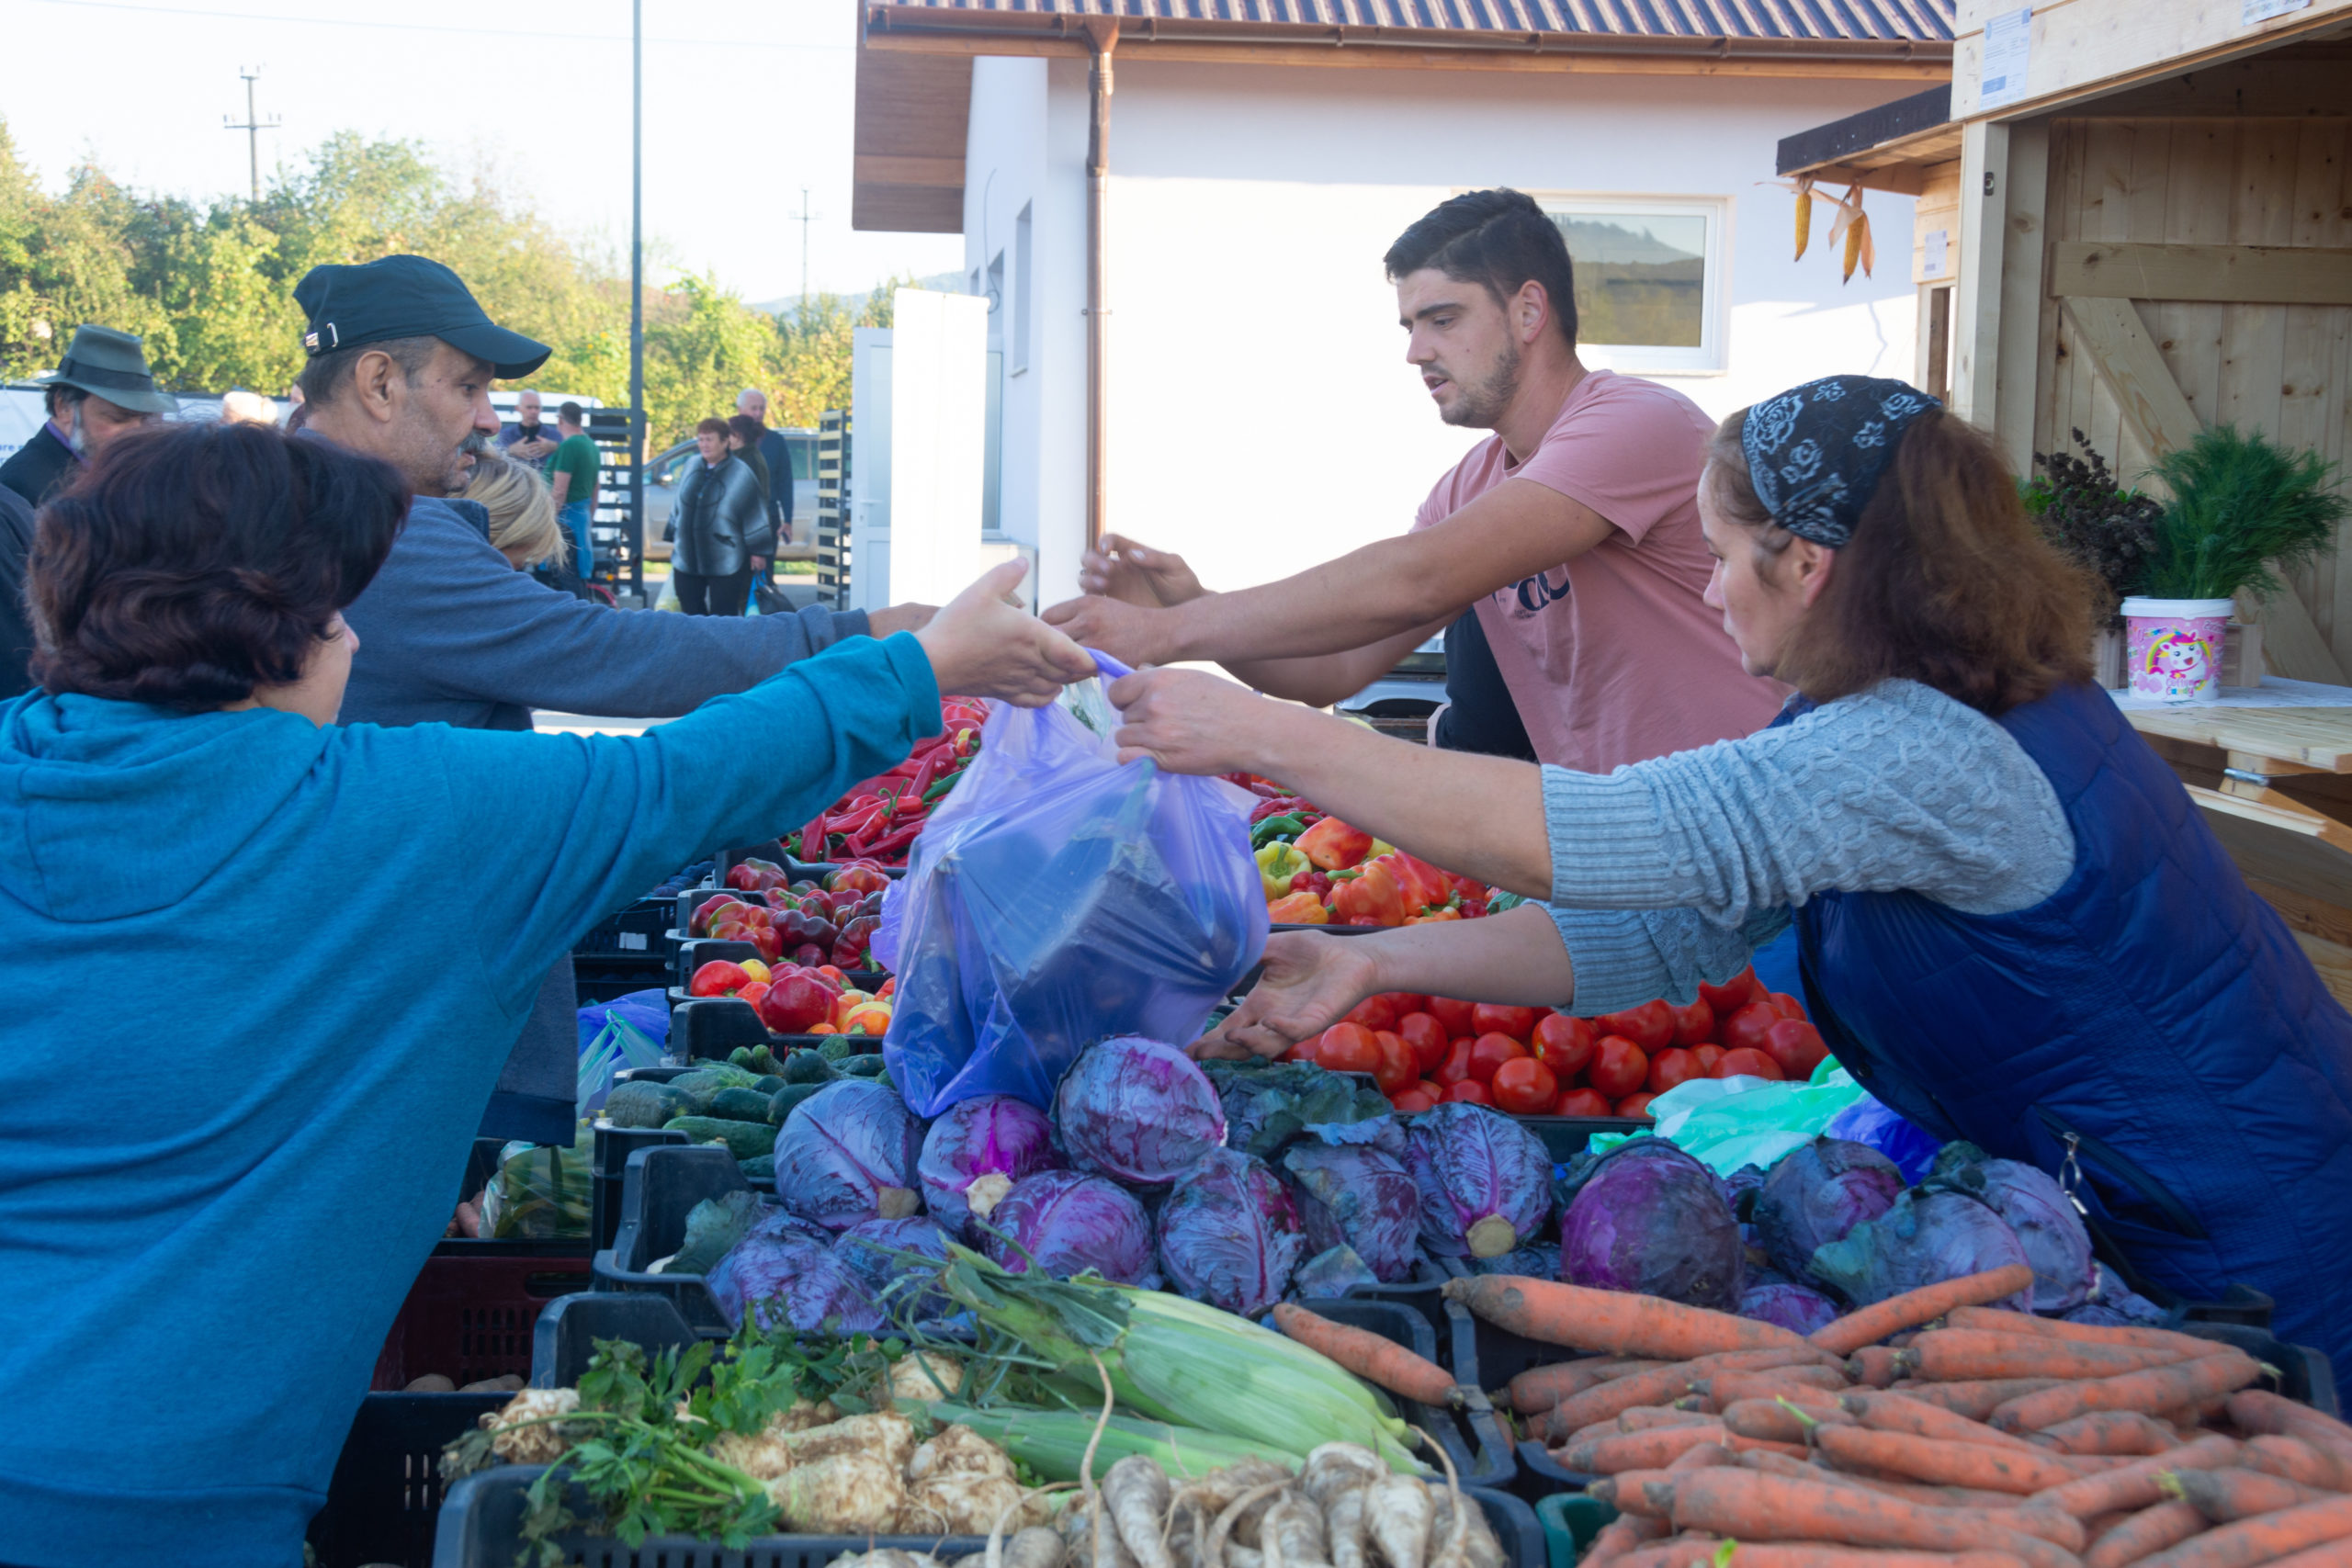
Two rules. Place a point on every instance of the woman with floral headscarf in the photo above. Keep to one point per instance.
(2017, 928)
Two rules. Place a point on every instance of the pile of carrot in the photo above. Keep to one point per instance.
(1929, 1430)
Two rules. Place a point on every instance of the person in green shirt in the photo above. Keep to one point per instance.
(572, 474)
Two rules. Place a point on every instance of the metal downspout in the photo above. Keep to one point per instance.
(1102, 37)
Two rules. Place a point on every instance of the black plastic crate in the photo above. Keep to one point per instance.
(660, 1187)
(633, 932)
(567, 1333)
(1473, 1439)
(1564, 1137)
(707, 1028)
(605, 1175)
(481, 1528)
(609, 978)
(386, 1494)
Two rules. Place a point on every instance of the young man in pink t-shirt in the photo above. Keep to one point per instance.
(1574, 529)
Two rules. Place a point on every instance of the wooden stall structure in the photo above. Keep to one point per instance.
(2135, 220)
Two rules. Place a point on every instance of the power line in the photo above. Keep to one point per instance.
(253, 128)
(731, 43)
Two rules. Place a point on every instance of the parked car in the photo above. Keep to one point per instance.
(22, 406)
(663, 474)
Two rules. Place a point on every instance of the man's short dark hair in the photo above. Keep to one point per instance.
(194, 563)
(570, 414)
(61, 400)
(324, 378)
(1498, 239)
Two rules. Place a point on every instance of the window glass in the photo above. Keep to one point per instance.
(1641, 278)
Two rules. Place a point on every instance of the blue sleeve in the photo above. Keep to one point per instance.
(449, 619)
(562, 829)
(1625, 957)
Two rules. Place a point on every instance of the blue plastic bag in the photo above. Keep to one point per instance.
(627, 1031)
(1057, 899)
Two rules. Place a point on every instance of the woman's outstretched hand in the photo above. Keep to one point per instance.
(1190, 722)
(982, 644)
(1309, 983)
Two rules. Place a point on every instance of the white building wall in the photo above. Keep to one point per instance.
(1260, 414)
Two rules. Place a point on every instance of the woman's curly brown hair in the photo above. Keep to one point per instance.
(194, 563)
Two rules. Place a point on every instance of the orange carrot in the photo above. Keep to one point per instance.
(1942, 1460)
(1652, 1449)
(1707, 1456)
(1912, 1308)
(2158, 1387)
(1780, 1420)
(2297, 1461)
(2229, 1493)
(1380, 1361)
(2137, 1485)
(1975, 1399)
(1641, 1418)
(2336, 1553)
(1616, 1321)
(1874, 1365)
(1900, 1413)
(1702, 1553)
(2141, 1534)
(1744, 1507)
(2256, 1411)
(1540, 1388)
(1956, 1355)
(1727, 1388)
(1753, 1445)
(1627, 1490)
(1620, 1536)
(1655, 1387)
(2262, 1538)
(2002, 1321)
(2111, 1432)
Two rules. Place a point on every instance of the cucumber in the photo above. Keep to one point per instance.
(635, 1104)
(807, 1066)
(837, 1047)
(768, 1085)
(739, 1104)
(780, 1103)
(760, 1169)
(763, 1062)
(740, 1056)
(744, 1140)
(864, 1066)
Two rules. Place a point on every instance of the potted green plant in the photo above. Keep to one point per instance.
(2086, 515)
(2242, 509)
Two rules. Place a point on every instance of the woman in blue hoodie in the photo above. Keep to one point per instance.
(263, 970)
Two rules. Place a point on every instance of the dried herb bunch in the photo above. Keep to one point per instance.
(2081, 510)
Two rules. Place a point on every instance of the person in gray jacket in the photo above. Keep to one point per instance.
(400, 362)
(719, 527)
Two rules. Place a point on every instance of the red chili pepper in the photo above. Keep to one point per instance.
(894, 842)
(812, 839)
(925, 774)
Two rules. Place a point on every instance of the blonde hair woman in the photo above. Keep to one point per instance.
(523, 525)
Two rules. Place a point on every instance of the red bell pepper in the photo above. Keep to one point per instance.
(1371, 899)
(1424, 886)
(1332, 845)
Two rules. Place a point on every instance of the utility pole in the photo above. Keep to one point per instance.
(253, 128)
(803, 217)
(637, 289)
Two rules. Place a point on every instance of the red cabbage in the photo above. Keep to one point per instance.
(1652, 1219)
(1797, 1308)
(1486, 1182)
(792, 1280)
(870, 1249)
(1926, 1238)
(1358, 1195)
(847, 1153)
(1816, 1193)
(974, 1154)
(2037, 1208)
(1069, 1223)
(1229, 1236)
(1138, 1111)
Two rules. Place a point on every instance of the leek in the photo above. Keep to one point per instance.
(1053, 1442)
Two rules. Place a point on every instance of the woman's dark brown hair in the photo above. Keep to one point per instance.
(194, 563)
(1945, 581)
(746, 429)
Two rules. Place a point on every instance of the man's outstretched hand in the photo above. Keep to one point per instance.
(982, 645)
(1137, 574)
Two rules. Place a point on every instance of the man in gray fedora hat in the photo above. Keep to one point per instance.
(102, 388)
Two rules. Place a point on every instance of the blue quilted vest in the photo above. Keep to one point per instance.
(2152, 1016)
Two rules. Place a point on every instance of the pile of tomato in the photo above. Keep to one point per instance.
(1537, 1062)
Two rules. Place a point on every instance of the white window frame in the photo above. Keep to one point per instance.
(1711, 356)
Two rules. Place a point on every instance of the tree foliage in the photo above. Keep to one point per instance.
(211, 289)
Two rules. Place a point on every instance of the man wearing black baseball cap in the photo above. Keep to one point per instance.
(402, 358)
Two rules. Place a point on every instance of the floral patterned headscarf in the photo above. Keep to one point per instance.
(1815, 453)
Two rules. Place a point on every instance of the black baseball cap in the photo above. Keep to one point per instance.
(398, 297)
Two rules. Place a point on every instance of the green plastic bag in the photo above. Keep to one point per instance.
(1730, 1123)
(540, 1193)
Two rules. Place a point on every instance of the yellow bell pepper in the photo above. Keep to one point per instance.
(1381, 847)
(1277, 863)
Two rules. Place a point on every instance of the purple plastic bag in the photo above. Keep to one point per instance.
(1069, 1223)
(1867, 1121)
(847, 1153)
(1486, 1182)
(1138, 1111)
(1230, 1234)
(1057, 899)
(974, 1154)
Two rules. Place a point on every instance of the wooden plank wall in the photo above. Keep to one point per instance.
(2286, 370)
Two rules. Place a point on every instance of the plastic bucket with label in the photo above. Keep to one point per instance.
(2172, 647)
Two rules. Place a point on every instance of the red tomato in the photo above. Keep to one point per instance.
(1525, 1087)
(1397, 1068)
(1742, 1061)
(1694, 1024)
(1584, 1101)
(1708, 1055)
(1472, 1090)
(1749, 1027)
(1788, 1006)
(1454, 1014)
(1649, 1026)
(1733, 994)
(1796, 1046)
(1489, 1052)
(1635, 1105)
(1565, 1044)
(1672, 1066)
(1456, 1065)
(1408, 1001)
(1304, 1051)
(1488, 1018)
(1349, 1048)
(1619, 1066)
(1413, 1100)
(1373, 1012)
(1425, 1037)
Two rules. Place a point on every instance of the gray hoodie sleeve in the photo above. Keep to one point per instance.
(448, 621)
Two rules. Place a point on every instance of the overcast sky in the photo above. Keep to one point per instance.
(735, 123)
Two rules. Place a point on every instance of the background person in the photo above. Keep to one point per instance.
(453, 634)
(523, 522)
(15, 631)
(573, 470)
(719, 527)
(199, 745)
(524, 436)
(744, 438)
(2009, 907)
(777, 453)
(100, 389)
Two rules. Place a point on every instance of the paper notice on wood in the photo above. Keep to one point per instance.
(2252, 11)
(2008, 41)
(1939, 252)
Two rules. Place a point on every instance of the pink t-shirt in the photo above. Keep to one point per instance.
(1612, 657)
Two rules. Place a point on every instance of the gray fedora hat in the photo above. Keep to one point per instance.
(111, 365)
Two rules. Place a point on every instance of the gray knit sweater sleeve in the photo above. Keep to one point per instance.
(1672, 871)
